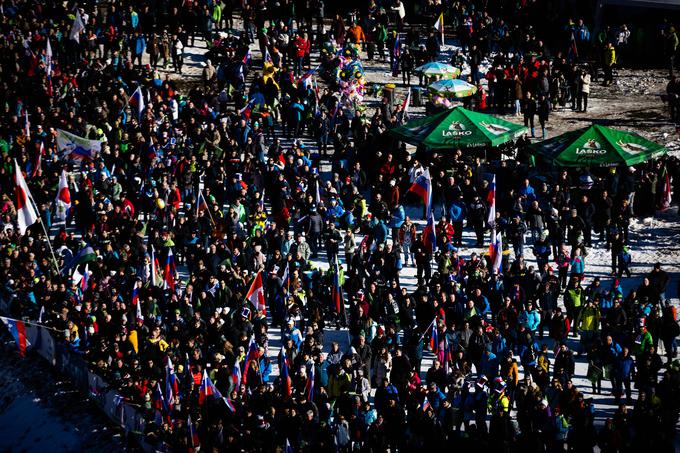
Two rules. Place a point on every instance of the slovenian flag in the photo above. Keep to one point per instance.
(248, 57)
(256, 294)
(422, 187)
(171, 383)
(497, 253)
(251, 355)
(170, 271)
(139, 315)
(84, 281)
(194, 442)
(434, 338)
(77, 148)
(135, 294)
(446, 359)
(207, 389)
(230, 404)
(309, 385)
(429, 236)
(491, 199)
(284, 373)
(137, 101)
(426, 404)
(396, 53)
(268, 57)
(18, 331)
(158, 400)
(246, 111)
(236, 374)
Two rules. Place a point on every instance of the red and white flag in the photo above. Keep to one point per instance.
(256, 294)
(26, 215)
(407, 103)
(63, 201)
(667, 196)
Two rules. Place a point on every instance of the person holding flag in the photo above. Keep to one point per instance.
(207, 389)
(284, 374)
(422, 186)
(136, 101)
(439, 26)
(170, 272)
(255, 294)
(63, 200)
(26, 215)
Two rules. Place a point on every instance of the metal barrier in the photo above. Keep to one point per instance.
(57, 353)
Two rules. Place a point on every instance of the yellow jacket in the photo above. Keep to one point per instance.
(609, 56)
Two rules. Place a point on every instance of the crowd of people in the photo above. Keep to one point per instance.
(204, 194)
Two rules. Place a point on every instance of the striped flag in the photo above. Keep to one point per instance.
(496, 254)
(251, 355)
(248, 57)
(396, 53)
(192, 435)
(422, 187)
(429, 236)
(171, 383)
(207, 389)
(491, 199)
(284, 373)
(434, 338)
(309, 385)
(137, 101)
(18, 331)
(236, 374)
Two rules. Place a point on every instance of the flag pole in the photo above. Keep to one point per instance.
(200, 195)
(31, 323)
(442, 18)
(47, 235)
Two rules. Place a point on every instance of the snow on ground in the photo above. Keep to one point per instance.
(39, 411)
(31, 418)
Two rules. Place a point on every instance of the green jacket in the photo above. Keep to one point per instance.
(642, 343)
(573, 297)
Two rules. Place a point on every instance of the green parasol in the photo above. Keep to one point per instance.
(458, 128)
(438, 69)
(597, 146)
